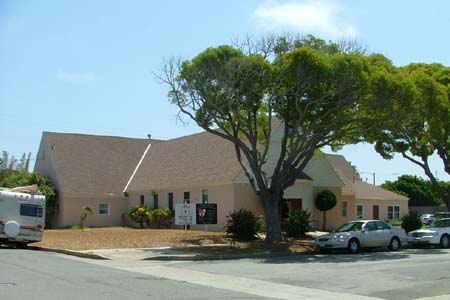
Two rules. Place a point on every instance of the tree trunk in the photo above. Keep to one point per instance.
(324, 220)
(272, 218)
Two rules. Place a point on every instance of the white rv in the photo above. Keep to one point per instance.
(22, 217)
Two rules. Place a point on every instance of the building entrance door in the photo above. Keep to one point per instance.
(376, 212)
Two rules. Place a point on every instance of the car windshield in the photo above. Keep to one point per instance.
(353, 226)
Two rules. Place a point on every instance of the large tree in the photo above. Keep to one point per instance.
(316, 89)
(419, 191)
(413, 118)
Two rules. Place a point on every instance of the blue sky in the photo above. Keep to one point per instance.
(87, 66)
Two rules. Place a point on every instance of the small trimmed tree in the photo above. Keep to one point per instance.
(325, 200)
(85, 212)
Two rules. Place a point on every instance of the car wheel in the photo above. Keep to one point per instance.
(394, 245)
(353, 246)
(445, 241)
(429, 222)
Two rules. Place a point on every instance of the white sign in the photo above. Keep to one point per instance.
(184, 214)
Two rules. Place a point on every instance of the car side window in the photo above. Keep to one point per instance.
(382, 226)
(371, 226)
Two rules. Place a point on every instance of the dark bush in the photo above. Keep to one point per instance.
(411, 222)
(298, 223)
(242, 225)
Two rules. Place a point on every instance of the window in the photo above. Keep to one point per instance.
(382, 226)
(344, 208)
(103, 209)
(359, 211)
(204, 196)
(170, 200)
(187, 197)
(31, 210)
(371, 226)
(155, 201)
(393, 212)
(142, 200)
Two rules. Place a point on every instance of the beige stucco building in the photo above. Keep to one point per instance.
(112, 174)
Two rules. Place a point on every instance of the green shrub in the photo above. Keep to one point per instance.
(298, 223)
(140, 214)
(160, 218)
(242, 225)
(411, 222)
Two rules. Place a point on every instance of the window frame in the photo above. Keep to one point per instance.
(170, 200)
(359, 217)
(155, 201)
(188, 199)
(99, 209)
(344, 207)
(394, 213)
(38, 210)
(203, 195)
(142, 200)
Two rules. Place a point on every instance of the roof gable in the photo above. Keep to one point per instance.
(92, 165)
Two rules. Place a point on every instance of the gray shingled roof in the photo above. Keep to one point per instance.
(199, 159)
(88, 165)
(353, 185)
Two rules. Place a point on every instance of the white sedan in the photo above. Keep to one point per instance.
(439, 234)
(363, 234)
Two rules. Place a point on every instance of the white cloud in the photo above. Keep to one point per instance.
(320, 17)
(74, 76)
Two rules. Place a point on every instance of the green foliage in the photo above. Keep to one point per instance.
(317, 90)
(410, 115)
(160, 218)
(85, 212)
(11, 165)
(325, 200)
(242, 225)
(419, 191)
(396, 223)
(411, 222)
(43, 182)
(157, 218)
(140, 214)
(298, 223)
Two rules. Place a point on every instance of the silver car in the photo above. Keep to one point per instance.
(439, 234)
(363, 234)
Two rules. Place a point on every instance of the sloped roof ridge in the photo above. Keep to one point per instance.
(97, 136)
(187, 136)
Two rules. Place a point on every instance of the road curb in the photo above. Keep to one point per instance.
(227, 257)
(71, 252)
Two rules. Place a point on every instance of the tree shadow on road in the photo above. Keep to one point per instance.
(344, 257)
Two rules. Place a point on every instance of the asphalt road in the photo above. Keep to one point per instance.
(33, 275)
(403, 275)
